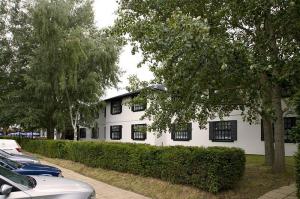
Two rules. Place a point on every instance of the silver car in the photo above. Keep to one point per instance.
(15, 186)
(19, 158)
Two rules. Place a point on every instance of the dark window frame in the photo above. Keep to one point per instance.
(119, 131)
(142, 107)
(113, 103)
(82, 133)
(142, 135)
(182, 134)
(287, 127)
(222, 127)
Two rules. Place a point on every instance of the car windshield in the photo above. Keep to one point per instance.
(4, 154)
(17, 178)
(11, 163)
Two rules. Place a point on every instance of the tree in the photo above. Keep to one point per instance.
(218, 56)
(73, 62)
(16, 46)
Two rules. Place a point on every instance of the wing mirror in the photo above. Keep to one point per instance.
(6, 189)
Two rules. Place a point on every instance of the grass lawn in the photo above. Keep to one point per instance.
(257, 180)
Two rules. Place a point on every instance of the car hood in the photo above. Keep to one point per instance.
(46, 185)
(35, 167)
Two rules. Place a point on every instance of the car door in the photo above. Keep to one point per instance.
(16, 193)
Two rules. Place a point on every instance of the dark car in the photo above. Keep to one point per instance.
(29, 168)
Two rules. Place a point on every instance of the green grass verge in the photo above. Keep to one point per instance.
(258, 179)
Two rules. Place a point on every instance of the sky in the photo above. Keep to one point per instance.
(104, 17)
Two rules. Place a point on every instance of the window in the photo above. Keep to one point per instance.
(116, 107)
(181, 133)
(82, 132)
(139, 131)
(138, 107)
(116, 132)
(289, 123)
(223, 131)
(104, 112)
(95, 132)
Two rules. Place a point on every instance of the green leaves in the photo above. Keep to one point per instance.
(55, 59)
(212, 169)
(193, 47)
(75, 59)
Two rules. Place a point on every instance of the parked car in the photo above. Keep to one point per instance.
(29, 168)
(10, 146)
(19, 158)
(14, 185)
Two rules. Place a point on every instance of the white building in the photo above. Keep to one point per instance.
(120, 123)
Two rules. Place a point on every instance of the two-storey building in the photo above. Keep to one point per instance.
(121, 122)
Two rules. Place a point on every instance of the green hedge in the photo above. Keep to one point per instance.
(212, 169)
(297, 158)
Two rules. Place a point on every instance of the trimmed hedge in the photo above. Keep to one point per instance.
(297, 159)
(212, 169)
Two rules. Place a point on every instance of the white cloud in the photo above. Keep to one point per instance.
(105, 16)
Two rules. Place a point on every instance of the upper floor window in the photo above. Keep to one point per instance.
(116, 132)
(181, 133)
(223, 131)
(116, 107)
(138, 131)
(138, 107)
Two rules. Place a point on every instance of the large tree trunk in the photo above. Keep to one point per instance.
(279, 161)
(269, 141)
(267, 119)
(50, 130)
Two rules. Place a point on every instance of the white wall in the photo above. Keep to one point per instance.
(248, 136)
(126, 119)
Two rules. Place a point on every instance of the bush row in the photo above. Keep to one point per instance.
(212, 169)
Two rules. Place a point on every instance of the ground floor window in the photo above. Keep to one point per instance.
(223, 131)
(139, 131)
(82, 133)
(289, 123)
(181, 133)
(116, 132)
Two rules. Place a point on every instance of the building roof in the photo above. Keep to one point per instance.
(129, 94)
(133, 93)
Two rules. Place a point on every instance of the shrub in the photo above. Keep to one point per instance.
(212, 169)
(297, 159)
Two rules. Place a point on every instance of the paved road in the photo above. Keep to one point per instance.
(103, 190)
